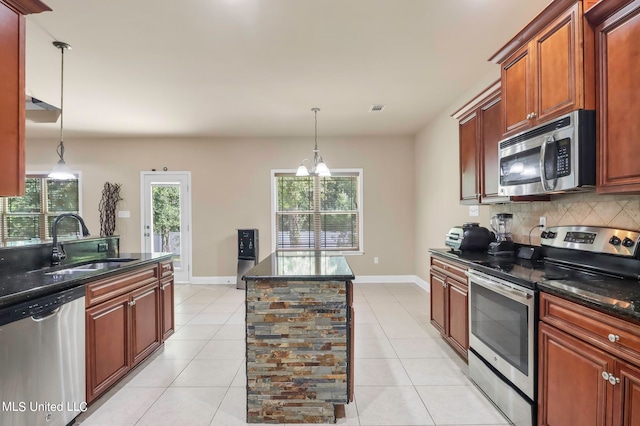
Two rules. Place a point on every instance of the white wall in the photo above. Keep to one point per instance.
(231, 189)
(438, 180)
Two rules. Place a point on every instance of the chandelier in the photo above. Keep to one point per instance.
(318, 167)
(61, 171)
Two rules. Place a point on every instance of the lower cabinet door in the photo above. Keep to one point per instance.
(145, 321)
(571, 386)
(107, 326)
(458, 316)
(438, 310)
(166, 301)
(626, 411)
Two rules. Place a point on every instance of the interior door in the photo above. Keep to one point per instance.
(166, 218)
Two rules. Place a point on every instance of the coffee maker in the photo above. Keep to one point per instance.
(501, 225)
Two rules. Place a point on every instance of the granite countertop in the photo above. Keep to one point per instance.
(302, 265)
(22, 286)
(612, 295)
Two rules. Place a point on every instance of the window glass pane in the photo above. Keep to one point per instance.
(340, 230)
(165, 204)
(23, 227)
(295, 230)
(295, 193)
(339, 193)
(67, 227)
(62, 195)
(30, 201)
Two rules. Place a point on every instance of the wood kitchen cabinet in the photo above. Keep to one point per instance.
(571, 389)
(588, 368)
(480, 130)
(12, 101)
(127, 317)
(548, 69)
(618, 94)
(145, 322)
(108, 344)
(167, 289)
(480, 123)
(449, 303)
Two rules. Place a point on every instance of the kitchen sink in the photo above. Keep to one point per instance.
(94, 265)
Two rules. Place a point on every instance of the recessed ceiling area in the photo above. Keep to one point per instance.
(255, 68)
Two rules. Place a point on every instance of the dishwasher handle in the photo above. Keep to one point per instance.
(43, 316)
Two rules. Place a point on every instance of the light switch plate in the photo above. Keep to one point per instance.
(124, 213)
(474, 211)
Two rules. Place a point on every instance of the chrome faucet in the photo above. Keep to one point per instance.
(58, 255)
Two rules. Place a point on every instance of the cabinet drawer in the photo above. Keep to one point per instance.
(102, 290)
(166, 268)
(592, 326)
(451, 269)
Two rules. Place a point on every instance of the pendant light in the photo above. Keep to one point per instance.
(61, 171)
(318, 167)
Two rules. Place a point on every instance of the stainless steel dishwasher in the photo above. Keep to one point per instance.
(42, 360)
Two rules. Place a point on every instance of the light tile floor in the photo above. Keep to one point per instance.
(405, 374)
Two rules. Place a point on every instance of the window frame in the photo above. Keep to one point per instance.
(43, 210)
(274, 197)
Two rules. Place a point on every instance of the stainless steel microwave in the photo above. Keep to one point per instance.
(558, 156)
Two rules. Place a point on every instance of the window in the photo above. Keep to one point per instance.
(31, 215)
(321, 213)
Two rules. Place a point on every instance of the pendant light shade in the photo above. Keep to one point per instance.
(61, 171)
(318, 167)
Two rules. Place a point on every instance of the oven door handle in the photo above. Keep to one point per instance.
(511, 293)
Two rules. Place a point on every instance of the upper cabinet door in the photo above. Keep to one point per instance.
(490, 136)
(552, 74)
(469, 192)
(12, 100)
(558, 66)
(12, 160)
(517, 89)
(618, 53)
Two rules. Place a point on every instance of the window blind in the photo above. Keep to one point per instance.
(320, 213)
(31, 215)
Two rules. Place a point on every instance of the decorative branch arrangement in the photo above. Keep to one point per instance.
(107, 208)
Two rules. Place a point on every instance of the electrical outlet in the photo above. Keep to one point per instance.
(376, 260)
(102, 247)
(543, 222)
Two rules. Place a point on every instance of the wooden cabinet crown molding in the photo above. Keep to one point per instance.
(547, 16)
(603, 9)
(27, 7)
(475, 102)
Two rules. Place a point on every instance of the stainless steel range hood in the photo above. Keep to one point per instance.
(38, 111)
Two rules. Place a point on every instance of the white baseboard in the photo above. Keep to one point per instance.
(360, 279)
(384, 279)
(422, 283)
(214, 280)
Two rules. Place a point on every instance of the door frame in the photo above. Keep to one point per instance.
(187, 232)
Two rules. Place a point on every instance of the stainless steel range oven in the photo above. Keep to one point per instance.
(502, 336)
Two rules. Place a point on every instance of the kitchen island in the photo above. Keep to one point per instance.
(299, 335)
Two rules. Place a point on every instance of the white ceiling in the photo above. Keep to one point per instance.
(255, 68)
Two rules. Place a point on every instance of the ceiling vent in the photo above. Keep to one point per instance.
(376, 108)
(38, 111)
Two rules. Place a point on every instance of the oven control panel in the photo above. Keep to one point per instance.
(619, 242)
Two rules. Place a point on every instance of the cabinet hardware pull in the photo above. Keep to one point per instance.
(133, 302)
(529, 116)
(534, 115)
(610, 378)
(613, 338)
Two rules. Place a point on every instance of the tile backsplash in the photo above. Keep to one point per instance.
(618, 211)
